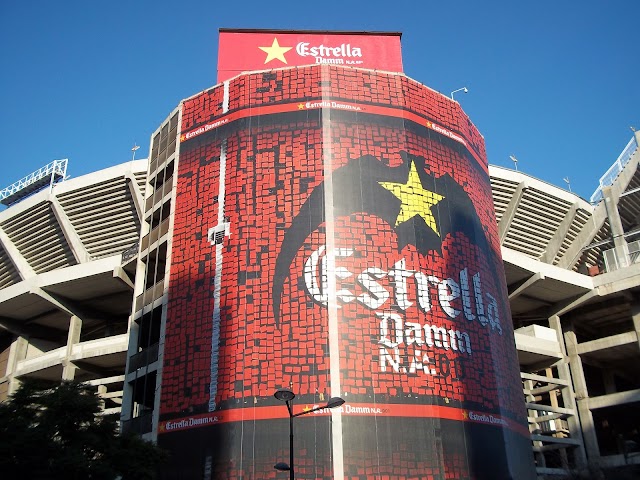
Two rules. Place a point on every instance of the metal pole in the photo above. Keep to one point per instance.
(291, 474)
(53, 175)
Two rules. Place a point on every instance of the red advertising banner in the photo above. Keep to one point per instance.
(334, 233)
(246, 50)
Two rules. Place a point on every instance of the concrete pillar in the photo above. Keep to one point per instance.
(568, 395)
(75, 327)
(127, 388)
(617, 232)
(17, 352)
(102, 390)
(608, 378)
(582, 397)
(635, 315)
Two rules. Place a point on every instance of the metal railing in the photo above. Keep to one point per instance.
(612, 262)
(143, 358)
(35, 181)
(614, 170)
(129, 253)
(141, 424)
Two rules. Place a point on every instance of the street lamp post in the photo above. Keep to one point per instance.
(463, 89)
(287, 396)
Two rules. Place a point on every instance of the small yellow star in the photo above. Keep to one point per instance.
(306, 408)
(301, 106)
(275, 51)
(465, 415)
(416, 200)
(182, 137)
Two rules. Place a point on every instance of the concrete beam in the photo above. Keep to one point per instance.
(64, 305)
(72, 308)
(539, 390)
(549, 408)
(550, 361)
(551, 416)
(617, 282)
(553, 247)
(71, 236)
(561, 308)
(26, 329)
(19, 262)
(541, 378)
(120, 273)
(516, 290)
(584, 238)
(136, 195)
(106, 381)
(114, 396)
(540, 301)
(510, 211)
(545, 438)
(608, 342)
(95, 369)
(613, 399)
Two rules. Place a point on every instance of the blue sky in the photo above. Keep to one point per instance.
(554, 83)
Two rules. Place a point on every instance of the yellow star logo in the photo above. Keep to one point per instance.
(182, 137)
(301, 106)
(306, 408)
(465, 415)
(415, 199)
(275, 51)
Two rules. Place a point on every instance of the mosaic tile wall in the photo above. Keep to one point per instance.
(275, 171)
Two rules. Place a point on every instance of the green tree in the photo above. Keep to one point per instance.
(56, 431)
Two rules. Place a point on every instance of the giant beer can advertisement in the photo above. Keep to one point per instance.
(335, 235)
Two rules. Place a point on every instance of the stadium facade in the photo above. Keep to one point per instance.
(74, 257)
(65, 285)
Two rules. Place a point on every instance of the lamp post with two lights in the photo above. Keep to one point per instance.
(287, 396)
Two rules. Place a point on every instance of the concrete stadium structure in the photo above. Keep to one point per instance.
(83, 290)
(573, 271)
(65, 291)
